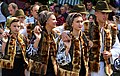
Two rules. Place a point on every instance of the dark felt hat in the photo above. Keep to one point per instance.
(102, 6)
(79, 8)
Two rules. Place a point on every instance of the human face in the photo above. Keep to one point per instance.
(83, 16)
(15, 27)
(51, 22)
(77, 23)
(63, 10)
(91, 19)
(21, 18)
(11, 10)
(102, 17)
(27, 5)
(34, 11)
(89, 6)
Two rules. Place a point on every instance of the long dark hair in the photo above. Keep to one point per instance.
(94, 17)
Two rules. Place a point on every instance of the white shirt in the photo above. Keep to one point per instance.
(30, 20)
(2, 17)
(115, 50)
(102, 40)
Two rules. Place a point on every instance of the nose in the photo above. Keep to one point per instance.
(81, 23)
(55, 21)
(17, 28)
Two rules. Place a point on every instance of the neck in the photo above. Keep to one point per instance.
(48, 28)
(76, 33)
(15, 35)
(101, 24)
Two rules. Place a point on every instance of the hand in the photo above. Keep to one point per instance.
(107, 54)
(67, 44)
(67, 41)
(65, 37)
(5, 36)
(37, 32)
(1, 30)
(90, 43)
(113, 26)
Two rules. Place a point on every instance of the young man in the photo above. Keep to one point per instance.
(89, 7)
(104, 36)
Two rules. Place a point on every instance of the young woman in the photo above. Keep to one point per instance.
(44, 47)
(92, 18)
(73, 59)
(14, 49)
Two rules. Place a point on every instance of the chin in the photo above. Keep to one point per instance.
(16, 32)
(54, 26)
(79, 28)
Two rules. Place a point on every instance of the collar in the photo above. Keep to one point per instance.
(1, 3)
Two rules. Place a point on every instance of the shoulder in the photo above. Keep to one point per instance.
(56, 34)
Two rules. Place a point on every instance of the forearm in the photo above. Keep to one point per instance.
(67, 51)
(3, 47)
(36, 42)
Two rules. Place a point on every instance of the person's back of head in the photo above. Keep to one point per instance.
(57, 9)
(43, 8)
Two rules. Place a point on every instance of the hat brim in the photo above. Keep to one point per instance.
(84, 12)
(71, 11)
(108, 11)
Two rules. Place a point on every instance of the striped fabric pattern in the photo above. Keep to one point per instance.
(71, 2)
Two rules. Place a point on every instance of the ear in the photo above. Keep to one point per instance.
(72, 24)
(96, 13)
(47, 22)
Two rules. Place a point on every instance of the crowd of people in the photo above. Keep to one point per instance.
(60, 40)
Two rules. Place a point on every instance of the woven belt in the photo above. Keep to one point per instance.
(63, 72)
(18, 56)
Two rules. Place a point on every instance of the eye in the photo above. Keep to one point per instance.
(81, 21)
(14, 26)
(18, 26)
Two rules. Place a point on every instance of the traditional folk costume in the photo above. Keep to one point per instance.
(103, 40)
(43, 60)
(14, 60)
(76, 62)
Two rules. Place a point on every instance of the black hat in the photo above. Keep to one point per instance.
(102, 6)
(79, 8)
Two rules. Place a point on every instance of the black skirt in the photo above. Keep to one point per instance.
(18, 69)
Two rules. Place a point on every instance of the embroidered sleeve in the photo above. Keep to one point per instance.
(31, 50)
(62, 58)
(117, 64)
